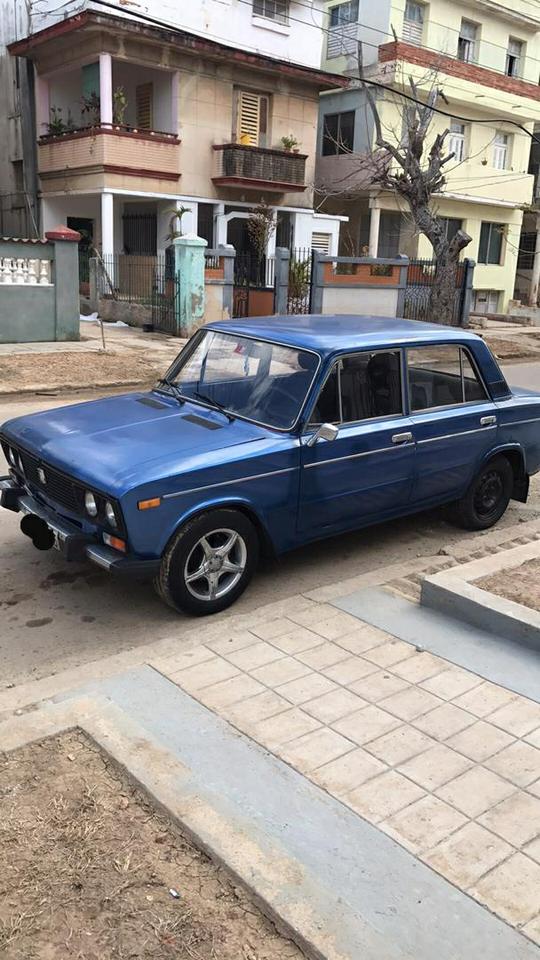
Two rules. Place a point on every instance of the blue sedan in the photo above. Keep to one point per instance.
(266, 434)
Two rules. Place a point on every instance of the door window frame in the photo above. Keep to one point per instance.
(310, 427)
(447, 406)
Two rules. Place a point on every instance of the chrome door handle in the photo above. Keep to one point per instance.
(488, 421)
(402, 437)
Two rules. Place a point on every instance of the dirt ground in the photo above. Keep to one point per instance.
(55, 371)
(521, 584)
(87, 867)
(522, 347)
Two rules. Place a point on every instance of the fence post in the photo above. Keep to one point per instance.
(189, 271)
(93, 298)
(402, 285)
(317, 282)
(468, 266)
(281, 280)
(66, 282)
(228, 253)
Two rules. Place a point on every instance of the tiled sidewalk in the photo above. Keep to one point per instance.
(446, 763)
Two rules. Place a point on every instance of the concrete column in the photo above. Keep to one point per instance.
(303, 230)
(189, 219)
(42, 104)
(107, 224)
(535, 278)
(175, 102)
(317, 284)
(105, 89)
(228, 253)
(402, 286)
(468, 266)
(374, 227)
(281, 281)
(189, 268)
(66, 282)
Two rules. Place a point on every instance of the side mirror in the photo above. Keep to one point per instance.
(326, 431)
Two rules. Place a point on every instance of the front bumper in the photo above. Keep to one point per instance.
(73, 543)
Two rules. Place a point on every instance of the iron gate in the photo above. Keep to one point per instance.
(421, 277)
(300, 277)
(253, 294)
(166, 303)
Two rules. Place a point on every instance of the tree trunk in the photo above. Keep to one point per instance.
(443, 292)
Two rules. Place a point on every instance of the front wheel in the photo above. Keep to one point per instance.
(209, 563)
(487, 497)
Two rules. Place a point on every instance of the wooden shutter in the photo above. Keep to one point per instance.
(144, 95)
(251, 113)
(321, 242)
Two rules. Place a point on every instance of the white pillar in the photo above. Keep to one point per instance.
(190, 217)
(107, 224)
(42, 104)
(221, 225)
(374, 226)
(535, 279)
(105, 89)
(271, 245)
(303, 230)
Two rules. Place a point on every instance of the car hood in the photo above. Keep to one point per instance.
(120, 442)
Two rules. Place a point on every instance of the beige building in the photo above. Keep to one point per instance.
(485, 57)
(135, 121)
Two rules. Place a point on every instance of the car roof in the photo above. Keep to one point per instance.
(329, 333)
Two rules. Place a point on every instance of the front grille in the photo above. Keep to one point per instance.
(57, 487)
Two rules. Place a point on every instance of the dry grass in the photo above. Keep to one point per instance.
(86, 866)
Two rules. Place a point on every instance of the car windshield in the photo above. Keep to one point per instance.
(261, 381)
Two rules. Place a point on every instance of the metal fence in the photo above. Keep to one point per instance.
(134, 279)
(421, 277)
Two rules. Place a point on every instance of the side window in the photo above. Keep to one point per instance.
(473, 388)
(441, 376)
(361, 387)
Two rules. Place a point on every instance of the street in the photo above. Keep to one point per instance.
(57, 615)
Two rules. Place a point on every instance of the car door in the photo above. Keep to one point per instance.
(454, 419)
(367, 470)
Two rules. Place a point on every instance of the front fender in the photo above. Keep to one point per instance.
(269, 547)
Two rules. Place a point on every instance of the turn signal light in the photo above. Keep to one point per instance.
(114, 542)
(149, 504)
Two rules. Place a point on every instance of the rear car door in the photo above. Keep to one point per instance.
(454, 419)
(367, 470)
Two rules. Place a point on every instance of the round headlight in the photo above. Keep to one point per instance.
(110, 514)
(90, 504)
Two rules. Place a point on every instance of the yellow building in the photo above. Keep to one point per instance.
(485, 57)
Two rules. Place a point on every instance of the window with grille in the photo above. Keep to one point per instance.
(450, 225)
(491, 238)
(343, 30)
(467, 41)
(413, 22)
(500, 150)
(321, 242)
(338, 133)
(144, 97)
(514, 57)
(456, 140)
(277, 10)
(252, 118)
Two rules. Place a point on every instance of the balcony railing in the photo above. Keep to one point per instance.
(111, 149)
(277, 170)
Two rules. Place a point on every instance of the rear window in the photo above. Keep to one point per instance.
(442, 375)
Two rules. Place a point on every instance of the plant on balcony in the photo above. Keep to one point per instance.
(56, 125)
(290, 143)
(90, 109)
(119, 106)
(261, 226)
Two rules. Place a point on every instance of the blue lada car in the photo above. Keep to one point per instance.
(266, 434)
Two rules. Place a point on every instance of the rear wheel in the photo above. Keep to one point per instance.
(209, 563)
(487, 497)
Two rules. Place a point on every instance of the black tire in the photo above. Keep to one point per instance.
(487, 497)
(185, 553)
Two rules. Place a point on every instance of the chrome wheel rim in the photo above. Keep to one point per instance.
(215, 564)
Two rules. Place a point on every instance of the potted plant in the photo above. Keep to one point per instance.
(245, 139)
(119, 106)
(290, 143)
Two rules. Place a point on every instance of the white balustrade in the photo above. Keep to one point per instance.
(21, 271)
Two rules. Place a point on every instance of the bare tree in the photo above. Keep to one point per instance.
(411, 166)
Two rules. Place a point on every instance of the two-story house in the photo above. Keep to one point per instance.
(136, 119)
(485, 58)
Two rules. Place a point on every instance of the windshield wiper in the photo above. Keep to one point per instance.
(172, 386)
(214, 403)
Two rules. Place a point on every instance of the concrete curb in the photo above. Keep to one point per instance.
(453, 592)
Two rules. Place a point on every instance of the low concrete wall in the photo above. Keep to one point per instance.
(135, 314)
(39, 288)
(359, 285)
(377, 301)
